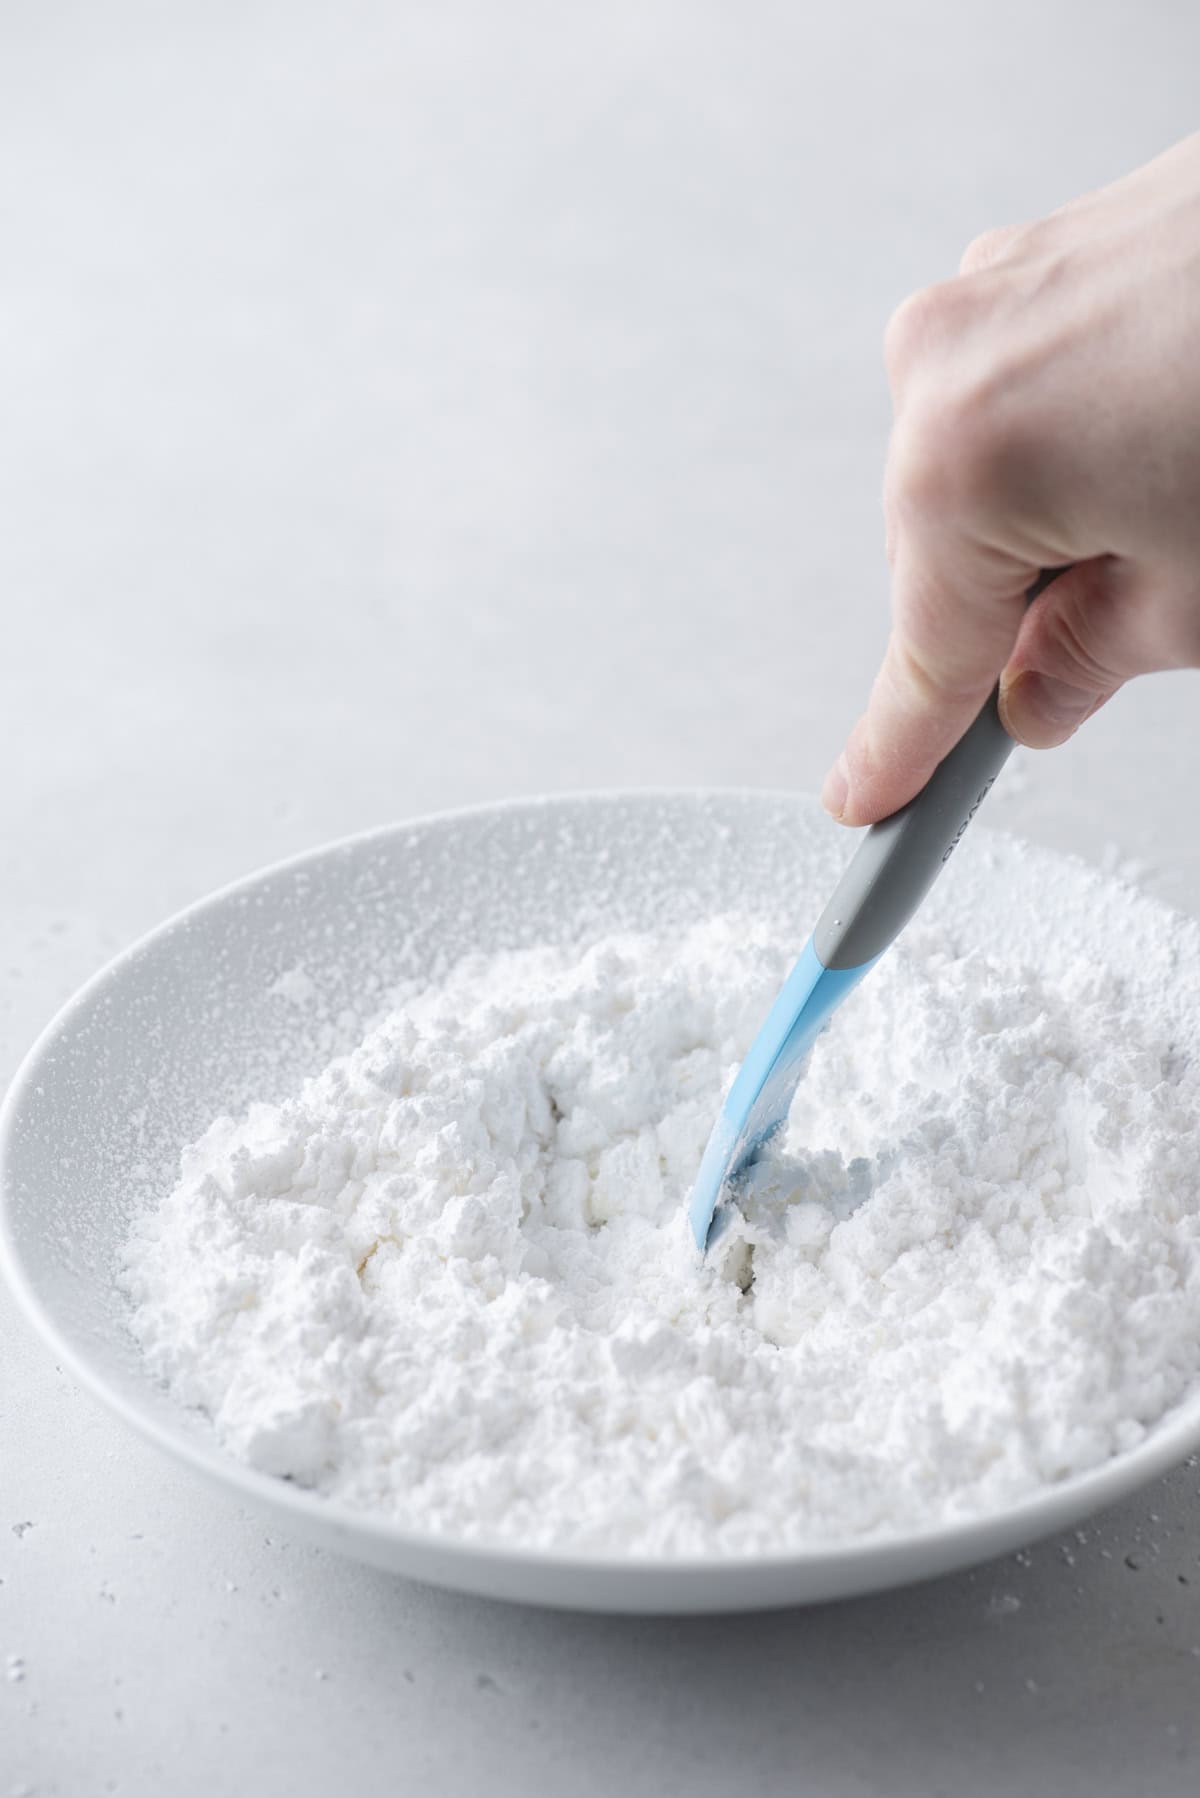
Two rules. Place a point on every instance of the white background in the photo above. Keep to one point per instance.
(410, 404)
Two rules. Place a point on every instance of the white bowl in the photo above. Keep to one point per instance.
(194, 1020)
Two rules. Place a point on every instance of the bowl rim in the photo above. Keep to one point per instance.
(1166, 1443)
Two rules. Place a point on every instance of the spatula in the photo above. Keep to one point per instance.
(894, 867)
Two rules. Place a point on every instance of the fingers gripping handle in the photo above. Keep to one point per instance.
(901, 856)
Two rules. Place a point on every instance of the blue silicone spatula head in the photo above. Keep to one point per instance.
(895, 865)
(761, 1095)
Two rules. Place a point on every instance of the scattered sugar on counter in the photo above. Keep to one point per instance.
(450, 1280)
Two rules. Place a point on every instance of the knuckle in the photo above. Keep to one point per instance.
(988, 248)
(964, 432)
(961, 448)
(936, 455)
(917, 323)
(910, 674)
(916, 473)
(931, 664)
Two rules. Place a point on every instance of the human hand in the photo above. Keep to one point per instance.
(1047, 412)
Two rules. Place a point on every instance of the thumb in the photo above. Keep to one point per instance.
(1072, 654)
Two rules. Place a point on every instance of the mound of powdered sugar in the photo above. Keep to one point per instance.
(450, 1280)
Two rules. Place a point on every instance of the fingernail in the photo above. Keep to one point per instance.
(1039, 710)
(836, 790)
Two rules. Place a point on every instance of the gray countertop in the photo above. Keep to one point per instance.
(402, 406)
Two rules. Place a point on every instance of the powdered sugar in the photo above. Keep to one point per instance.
(450, 1279)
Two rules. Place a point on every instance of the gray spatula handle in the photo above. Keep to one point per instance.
(900, 857)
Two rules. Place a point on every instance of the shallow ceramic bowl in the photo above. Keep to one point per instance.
(196, 1019)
